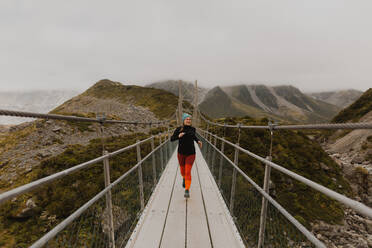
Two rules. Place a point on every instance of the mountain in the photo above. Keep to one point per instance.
(129, 102)
(218, 103)
(341, 98)
(41, 101)
(187, 89)
(281, 103)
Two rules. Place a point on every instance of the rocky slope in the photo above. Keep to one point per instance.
(281, 103)
(41, 101)
(341, 98)
(357, 143)
(352, 151)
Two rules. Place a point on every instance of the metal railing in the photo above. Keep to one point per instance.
(265, 216)
(359, 125)
(244, 199)
(96, 225)
(108, 221)
(357, 206)
(104, 214)
(74, 118)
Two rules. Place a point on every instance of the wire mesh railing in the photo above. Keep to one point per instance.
(244, 200)
(54, 197)
(92, 227)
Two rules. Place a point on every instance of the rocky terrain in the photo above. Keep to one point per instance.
(39, 140)
(356, 229)
(352, 151)
(355, 232)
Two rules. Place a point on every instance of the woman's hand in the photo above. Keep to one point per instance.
(200, 144)
(180, 135)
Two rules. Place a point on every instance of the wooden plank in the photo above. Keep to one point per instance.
(175, 226)
(223, 231)
(197, 227)
(148, 233)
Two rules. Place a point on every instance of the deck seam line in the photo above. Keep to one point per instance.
(170, 200)
(205, 210)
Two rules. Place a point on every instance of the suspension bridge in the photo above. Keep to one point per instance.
(145, 207)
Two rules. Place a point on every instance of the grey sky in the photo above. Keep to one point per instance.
(314, 45)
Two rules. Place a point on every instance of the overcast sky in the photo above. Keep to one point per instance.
(311, 44)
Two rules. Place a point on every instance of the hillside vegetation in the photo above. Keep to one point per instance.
(357, 110)
(159, 102)
(56, 201)
(296, 152)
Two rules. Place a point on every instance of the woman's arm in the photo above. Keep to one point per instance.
(175, 134)
(194, 137)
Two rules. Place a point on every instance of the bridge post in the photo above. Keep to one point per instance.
(161, 154)
(110, 218)
(168, 144)
(165, 148)
(261, 233)
(140, 178)
(207, 131)
(214, 154)
(153, 160)
(233, 183)
(221, 162)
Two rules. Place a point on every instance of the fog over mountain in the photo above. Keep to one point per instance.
(341, 98)
(40, 101)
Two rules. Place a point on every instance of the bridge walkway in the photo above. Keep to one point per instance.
(169, 220)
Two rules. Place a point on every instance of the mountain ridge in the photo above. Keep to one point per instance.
(283, 103)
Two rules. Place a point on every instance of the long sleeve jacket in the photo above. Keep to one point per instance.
(186, 142)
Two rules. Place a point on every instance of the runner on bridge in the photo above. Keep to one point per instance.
(186, 150)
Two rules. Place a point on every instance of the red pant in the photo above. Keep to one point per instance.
(186, 162)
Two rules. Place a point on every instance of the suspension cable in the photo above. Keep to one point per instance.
(69, 117)
(358, 125)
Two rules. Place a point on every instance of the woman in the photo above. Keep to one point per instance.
(186, 150)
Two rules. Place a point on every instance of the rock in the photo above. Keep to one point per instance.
(369, 240)
(44, 153)
(357, 160)
(324, 166)
(368, 224)
(56, 129)
(30, 203)
(28, 211)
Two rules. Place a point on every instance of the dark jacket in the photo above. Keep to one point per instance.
(186, 142)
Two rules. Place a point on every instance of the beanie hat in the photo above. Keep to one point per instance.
(184, 116)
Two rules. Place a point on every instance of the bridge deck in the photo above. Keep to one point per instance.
(169, 220)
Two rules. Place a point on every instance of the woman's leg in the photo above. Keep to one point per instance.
(188, 166)
(181, 161)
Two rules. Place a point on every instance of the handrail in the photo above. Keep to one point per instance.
(360, 207)
(71, 118)
(293, 220)
(359, 125)
(52, 233)
(35, 184)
